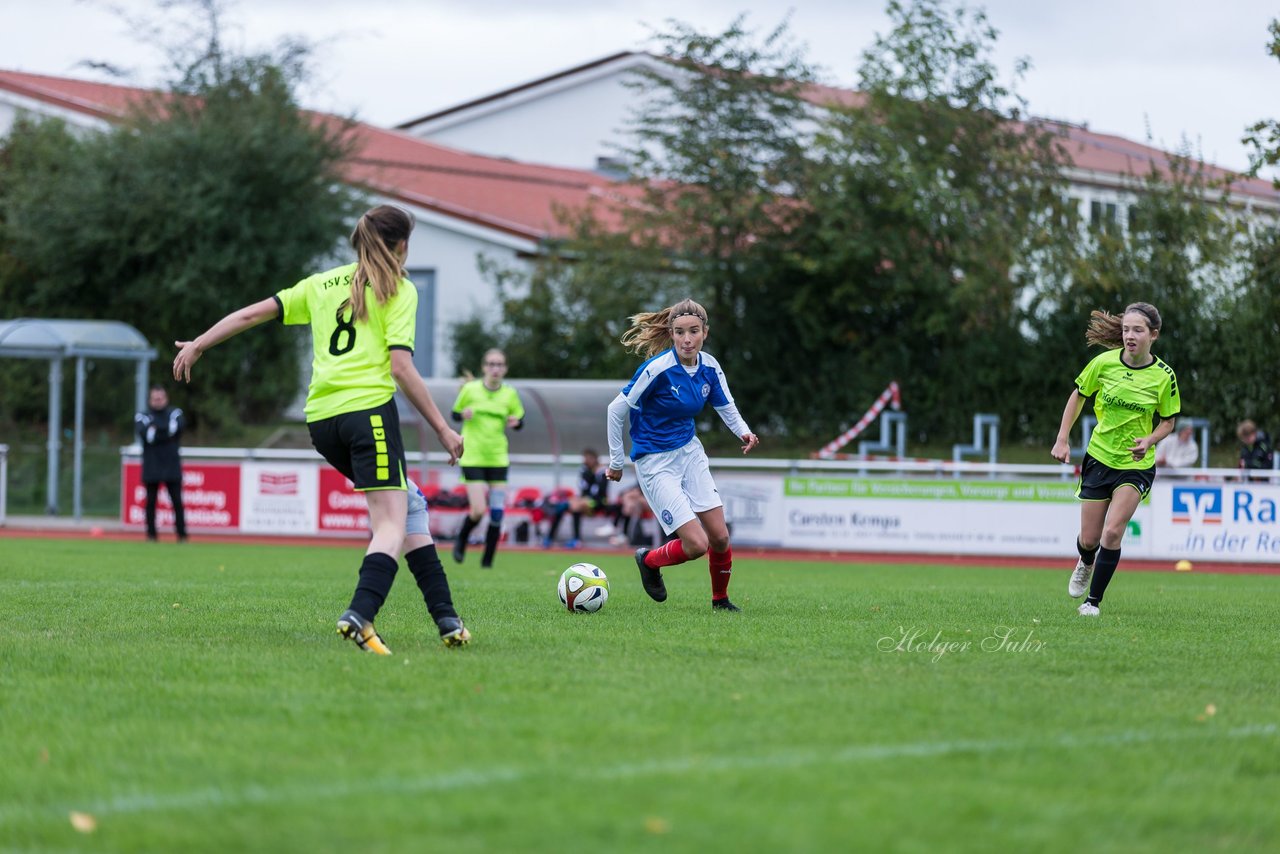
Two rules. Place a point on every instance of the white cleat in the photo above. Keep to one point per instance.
(1087, 610)
(1079, 584)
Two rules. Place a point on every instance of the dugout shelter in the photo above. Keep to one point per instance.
(59, 341)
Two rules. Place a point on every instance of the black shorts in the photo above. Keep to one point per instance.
(1099, 481)
(485, 474)
(365, 446)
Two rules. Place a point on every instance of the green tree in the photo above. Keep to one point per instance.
(1182, 247)
(717, 158)
(1264, 136)
(935, 209)
(215, 192)
(563, 317)
(1249, 347)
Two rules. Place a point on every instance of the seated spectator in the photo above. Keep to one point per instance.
(1179, 450)
(630, 514)
(593, 487)
(1255, 446)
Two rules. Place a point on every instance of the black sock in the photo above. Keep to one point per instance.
(425, 565)
(577, 526)
(376, 574)
(491, 543)
(555, 525)
(1087, 555)
(468, 525)
(1108, 560)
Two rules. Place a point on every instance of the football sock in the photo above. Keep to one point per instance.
(721, 567)
(1108, 560)
(669, 554)
(491, 537)
(577, 526)
(464, 533)
(1087, 555)
(427, 570)
(376, 574)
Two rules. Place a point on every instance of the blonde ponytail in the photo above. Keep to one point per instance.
(375, 238)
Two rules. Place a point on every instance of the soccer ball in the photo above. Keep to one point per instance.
(583, 587)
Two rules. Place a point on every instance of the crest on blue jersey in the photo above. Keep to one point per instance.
(667, 518)
(706, 390)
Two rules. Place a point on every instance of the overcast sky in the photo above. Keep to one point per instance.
(1165, 68)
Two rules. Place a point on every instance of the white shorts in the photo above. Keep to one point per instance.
(677, 484)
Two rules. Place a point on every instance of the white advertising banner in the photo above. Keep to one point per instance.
(1233, 522)
(753, 507)
(279, 497)
(1198, 520)
(946, 516)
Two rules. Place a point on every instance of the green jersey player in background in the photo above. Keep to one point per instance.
(1131, 386)
(486, 408)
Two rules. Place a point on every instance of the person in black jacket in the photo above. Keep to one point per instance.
(1255, 446)
(160, 431)
(593, 491)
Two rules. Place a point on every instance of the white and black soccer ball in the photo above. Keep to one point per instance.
(583, 587)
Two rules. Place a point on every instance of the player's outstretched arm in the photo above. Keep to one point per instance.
(189, 352)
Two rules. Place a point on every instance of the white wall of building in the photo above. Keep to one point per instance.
(570, 122)
(451, 249)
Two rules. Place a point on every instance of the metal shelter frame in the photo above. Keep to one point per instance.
(58, 341)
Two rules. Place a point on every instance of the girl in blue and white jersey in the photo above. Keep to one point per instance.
(665, 395)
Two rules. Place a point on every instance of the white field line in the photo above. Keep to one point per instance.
(219, 798)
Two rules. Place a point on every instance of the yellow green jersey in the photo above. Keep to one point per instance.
(484, 436)
(351, 360)
(1126, 404)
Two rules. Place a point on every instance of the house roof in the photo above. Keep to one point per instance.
(101, 100)
(521, 199)
(1111, 154)
(525, 199)
(1091, 152)
(531, 84)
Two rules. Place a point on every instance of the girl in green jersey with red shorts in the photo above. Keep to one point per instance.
(362, 319)
(1132, 386)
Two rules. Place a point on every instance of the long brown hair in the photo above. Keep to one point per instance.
(650, 332)
(1105, 328)
(375, 239)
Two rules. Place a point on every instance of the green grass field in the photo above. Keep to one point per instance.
(195, 698)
